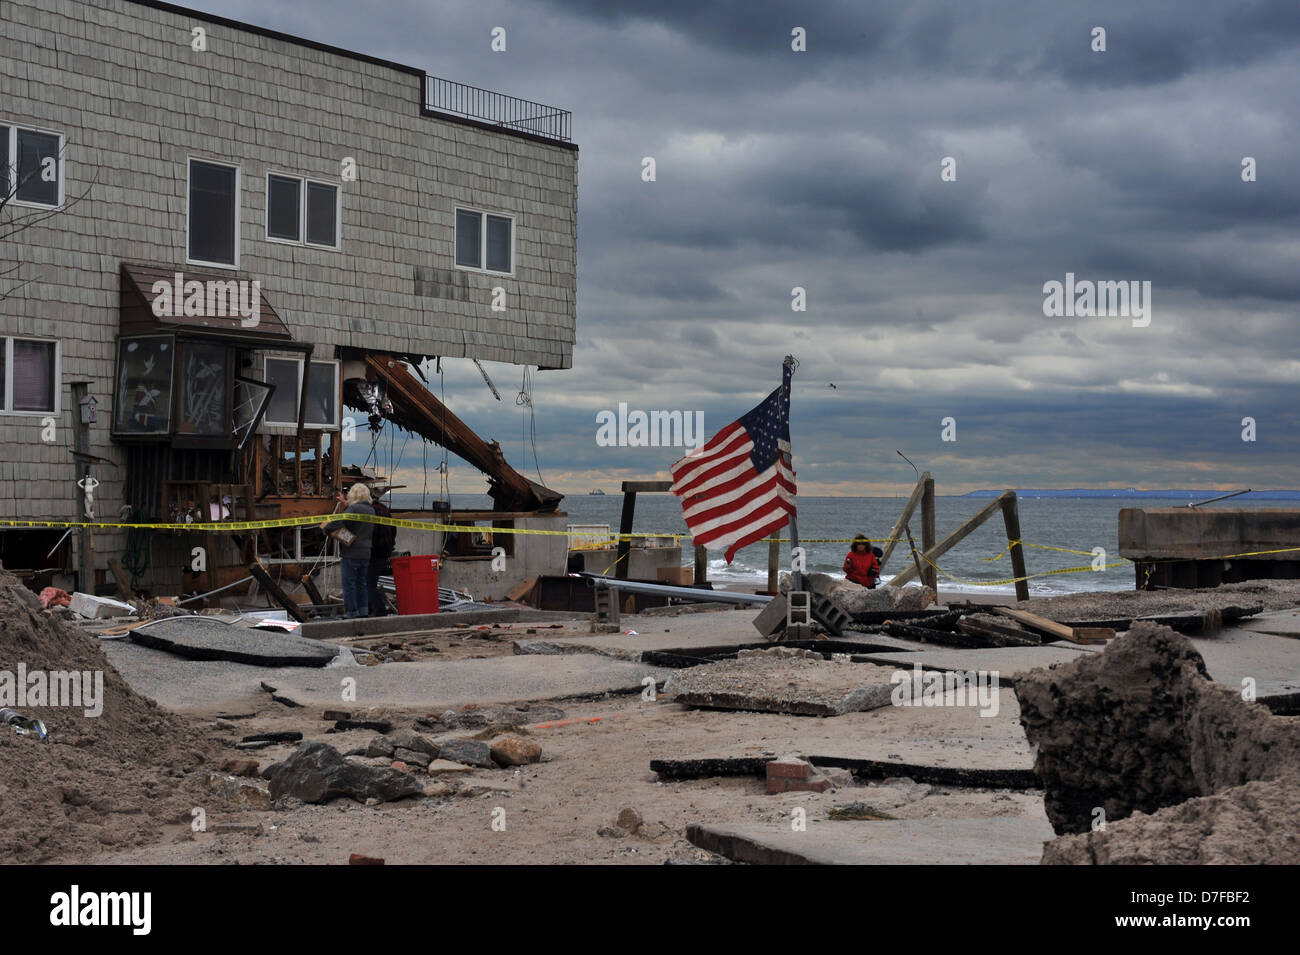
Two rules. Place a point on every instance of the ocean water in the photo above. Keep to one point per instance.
(1078, 524)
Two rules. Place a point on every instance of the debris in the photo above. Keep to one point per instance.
(515, 751)
(23, 725)
(237, 792)
(317, 773)
(411, 740)
(1140, 727)
(98, 608)
(54, 597)
(1059, 631)
(854, 598)
(628, 819)
(438, 767)
(779, 684)
(468, 751)
(857, 810)
(861, 769)
(411, 757)
(332, 715)
(794, 774)
(379, 726)
(206, 638)
(285, 737)
(357, 859)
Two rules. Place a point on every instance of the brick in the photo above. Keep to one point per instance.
(789, 768)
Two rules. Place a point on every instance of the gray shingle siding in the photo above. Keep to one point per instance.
(120, 81)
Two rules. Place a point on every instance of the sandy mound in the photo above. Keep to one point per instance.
(111, 780)
(1177, 763)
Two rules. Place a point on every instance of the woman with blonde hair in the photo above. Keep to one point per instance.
(355, 538)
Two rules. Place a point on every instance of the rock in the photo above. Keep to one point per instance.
(398, 765)
(611, 832)
(515, 751)
(1139, 727)
(238, 793)
(411, 758)
(410, 740)
(269, 770)
(240, 767)
(316, 773)
(438, 767)
(471, 752)
(332, 716)
(379, 746)
(628, 819)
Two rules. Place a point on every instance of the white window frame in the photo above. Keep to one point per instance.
(303, 183)
(11, 162)
(189, 168)
(482, 240)
(277, 426)
(6, 343)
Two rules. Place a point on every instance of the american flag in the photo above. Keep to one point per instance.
(740, 486)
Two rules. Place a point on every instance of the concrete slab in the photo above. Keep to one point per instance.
(948, 736)
(623, 646)
(1005, 661)
(1281, 622)
(1016, 840)
(1236, 654)
(413, 623)
(203, 638)
(191, 686)
(781, 684)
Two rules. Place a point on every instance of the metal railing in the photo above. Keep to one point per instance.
(487, 106)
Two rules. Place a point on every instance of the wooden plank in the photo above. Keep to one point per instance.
(701, 564)
(773, 565)
(1057, 631)
(903, 518)
(312, 590)
(999, 636)
(952, 540)
(123, 581)
(259, 573)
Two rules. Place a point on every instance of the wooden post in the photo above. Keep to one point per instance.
(701, 564)
(1011, 517)
(930, 576)
(953, 539)
(773, 565)
(903, 518)
(625, 528)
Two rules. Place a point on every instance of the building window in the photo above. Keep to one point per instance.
(29, 376)
(142, 403)
(322, 393)
(484, 241)
(32, 171)
(213, 213)
(302, 211)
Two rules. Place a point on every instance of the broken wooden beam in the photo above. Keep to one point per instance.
(259, 572)
(952, 540)
(1057, 631)
(999, 636)
(903, 518)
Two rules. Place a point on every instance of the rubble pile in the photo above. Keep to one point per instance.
(1174, 767)
(106, 780)
(853, 598)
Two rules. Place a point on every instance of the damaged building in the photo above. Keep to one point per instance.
(232, 252)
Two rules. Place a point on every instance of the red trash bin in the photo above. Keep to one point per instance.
(417, 584)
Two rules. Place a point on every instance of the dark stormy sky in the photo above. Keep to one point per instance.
(821, 169)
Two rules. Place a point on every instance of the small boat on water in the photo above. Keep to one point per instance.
(596, 492)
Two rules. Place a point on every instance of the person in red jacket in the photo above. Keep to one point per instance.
(861, 565)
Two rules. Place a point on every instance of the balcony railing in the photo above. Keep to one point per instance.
(486, 106)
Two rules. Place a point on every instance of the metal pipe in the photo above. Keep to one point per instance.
(668, 590)
(211, 592)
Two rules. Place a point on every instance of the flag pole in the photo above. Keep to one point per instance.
(796, 578)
